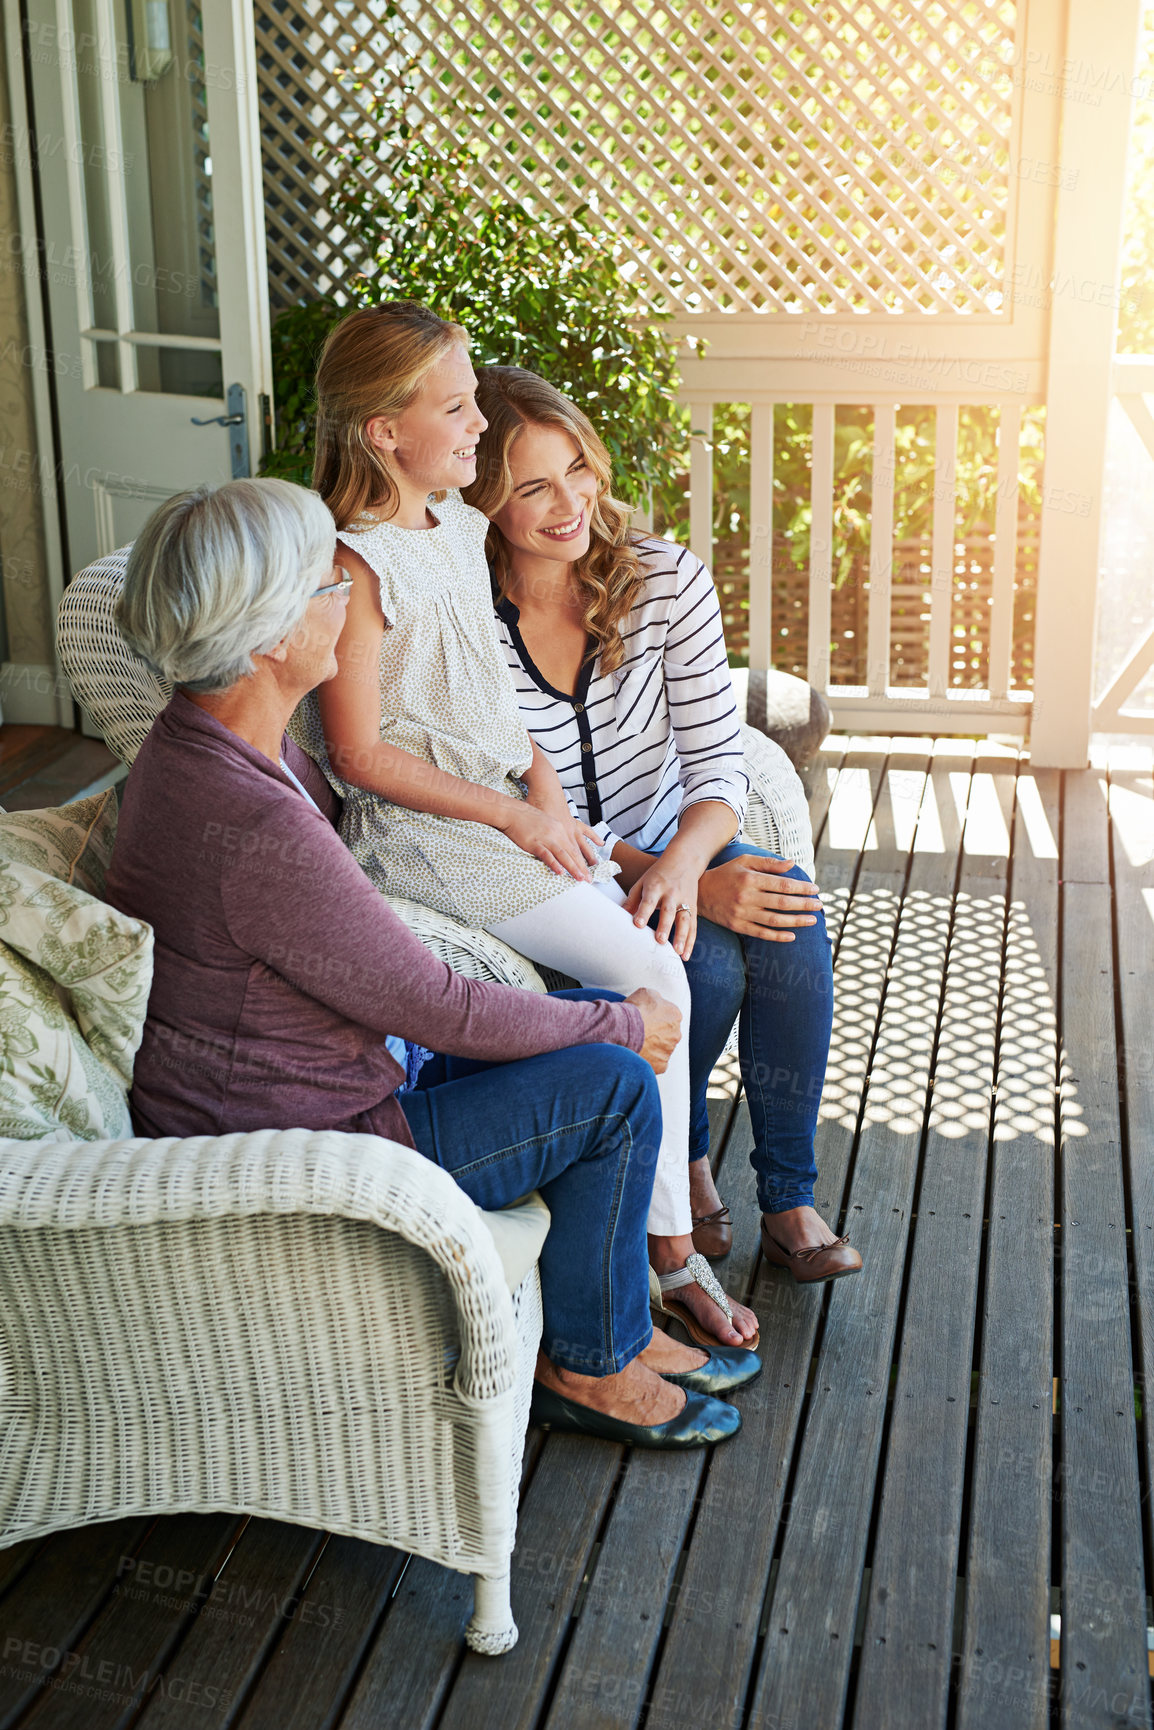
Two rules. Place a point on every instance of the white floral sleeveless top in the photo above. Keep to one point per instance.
(447, 698)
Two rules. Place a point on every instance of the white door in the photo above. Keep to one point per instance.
(146, 134)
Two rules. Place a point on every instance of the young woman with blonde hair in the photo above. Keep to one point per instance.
(447, 800)
(615, 645)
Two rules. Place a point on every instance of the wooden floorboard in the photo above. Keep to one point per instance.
(812, 1620)
(1103, 1662)
(605, 1676)
(1005, 1666)
(14, 1562)
(323, 1645)
(714, 1612)
(158, 1593)
(417, 1652)
(1132, 822)
(939, 1454)
(704, 1676)
(604, 1683)
(232, 1638)
(52, 1606)
(558, 1526)
(822, 783)
(27, 750)
(907, 1643)
(45, 766)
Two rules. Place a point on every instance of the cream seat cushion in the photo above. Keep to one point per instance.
(519, 1231)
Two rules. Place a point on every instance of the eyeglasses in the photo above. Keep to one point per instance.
(339, 588)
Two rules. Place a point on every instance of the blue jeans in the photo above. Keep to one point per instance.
(583, 1126)
(784, 995)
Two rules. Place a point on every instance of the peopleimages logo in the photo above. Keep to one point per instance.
(84, 52)
(80, 1673)
(84, 265)
(44, 146)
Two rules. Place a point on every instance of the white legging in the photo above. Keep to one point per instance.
(585, 934)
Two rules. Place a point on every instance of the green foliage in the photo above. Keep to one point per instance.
(297, 337)
(532, 289)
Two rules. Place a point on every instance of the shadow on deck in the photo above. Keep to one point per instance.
(937, 1513)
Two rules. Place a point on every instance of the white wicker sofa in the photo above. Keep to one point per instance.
(312, 1327)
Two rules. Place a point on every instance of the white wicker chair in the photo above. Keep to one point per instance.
(308, 1327)
(123, 696)
(119, 690)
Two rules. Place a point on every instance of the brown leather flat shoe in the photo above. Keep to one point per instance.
(809, 1266)
(713, 1234)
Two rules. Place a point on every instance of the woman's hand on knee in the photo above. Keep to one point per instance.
(668, 889)
(662, 1027)
(752, 896)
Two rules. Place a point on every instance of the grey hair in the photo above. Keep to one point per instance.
(221, 574)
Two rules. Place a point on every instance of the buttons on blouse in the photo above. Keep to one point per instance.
(586, 746)
(578, 708)
(590, 786)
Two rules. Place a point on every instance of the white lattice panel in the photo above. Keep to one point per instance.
(832, 155)
(306, 107)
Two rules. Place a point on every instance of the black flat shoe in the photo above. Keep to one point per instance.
(726, 1368)
(699, 1422)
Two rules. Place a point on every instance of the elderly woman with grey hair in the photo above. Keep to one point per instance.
(281, 973)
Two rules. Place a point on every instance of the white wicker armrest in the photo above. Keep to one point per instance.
(79, 1185)
(298, 1325)
(778, 815)
(468, 951)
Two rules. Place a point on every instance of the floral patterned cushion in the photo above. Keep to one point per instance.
(73, 842)
(74, 978)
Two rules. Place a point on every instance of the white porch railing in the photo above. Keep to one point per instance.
(880, 703)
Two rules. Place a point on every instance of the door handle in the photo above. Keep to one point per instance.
(237, 441)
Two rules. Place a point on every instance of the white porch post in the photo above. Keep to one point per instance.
(1100, 59)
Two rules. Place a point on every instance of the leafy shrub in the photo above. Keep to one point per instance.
(298, 335)
(531, 289)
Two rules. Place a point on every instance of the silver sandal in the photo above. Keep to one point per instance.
(696, 1271)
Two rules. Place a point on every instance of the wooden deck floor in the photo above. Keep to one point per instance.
(44, 766)
(938, 1511)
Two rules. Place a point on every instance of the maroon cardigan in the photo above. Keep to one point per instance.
(279, 968)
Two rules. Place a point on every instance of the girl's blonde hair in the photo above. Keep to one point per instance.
(609, 577)
(373, 363)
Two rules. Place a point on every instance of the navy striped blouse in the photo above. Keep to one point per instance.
(636, 747)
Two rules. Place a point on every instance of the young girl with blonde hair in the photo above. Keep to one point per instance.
(447, 800)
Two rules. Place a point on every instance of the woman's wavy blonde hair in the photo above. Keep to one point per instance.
(373, 363)
(609, 577)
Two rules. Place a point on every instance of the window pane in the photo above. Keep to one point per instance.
(179, 371)
(168, 173)
(107, 365)
(95, 64)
